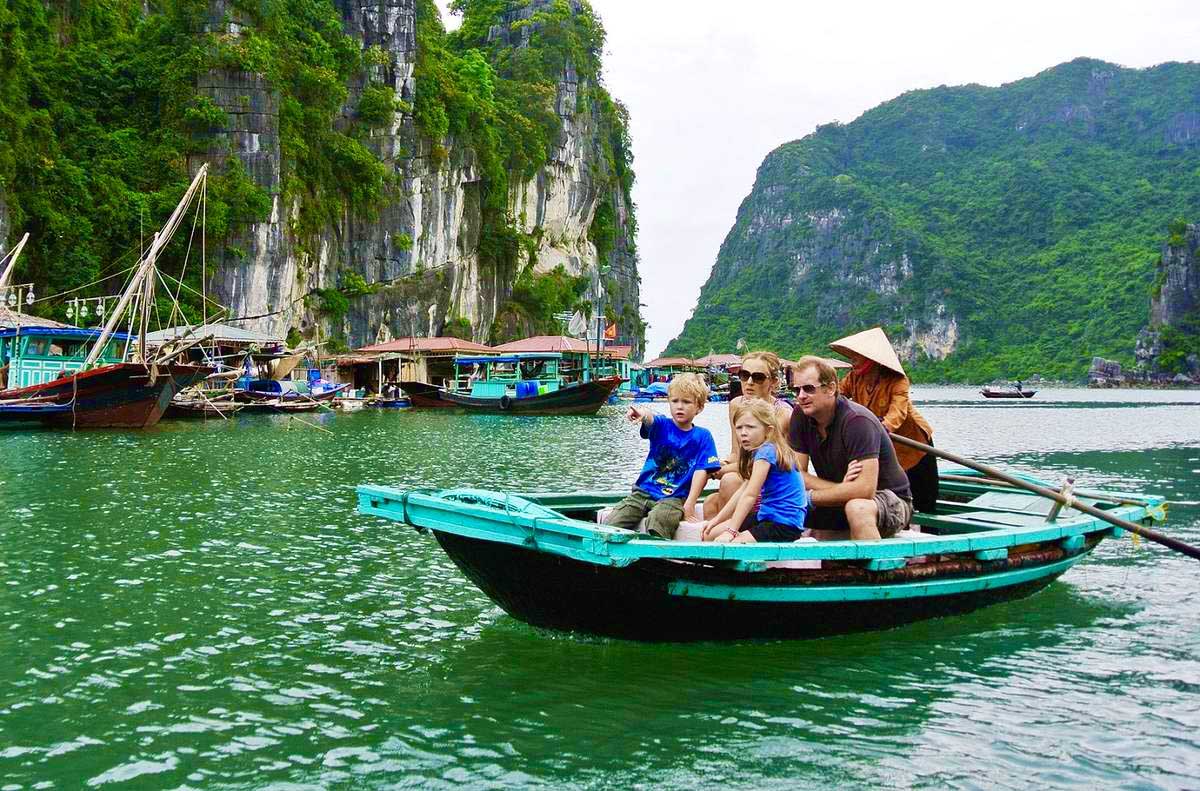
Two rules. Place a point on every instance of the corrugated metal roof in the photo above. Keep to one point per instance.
(561, 343)
(426, 345)
(220, 332)
(10, 319)
(664, 362)
(718, 360)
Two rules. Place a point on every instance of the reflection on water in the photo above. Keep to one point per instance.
(199, 605)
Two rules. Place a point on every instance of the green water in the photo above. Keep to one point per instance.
(199, 606)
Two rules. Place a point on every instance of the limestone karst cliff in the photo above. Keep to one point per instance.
(994, 232)
(376, 176)
(1170, 344)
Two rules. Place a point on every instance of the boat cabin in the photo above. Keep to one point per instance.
(514, 375)
(581, 360)
(36, 355)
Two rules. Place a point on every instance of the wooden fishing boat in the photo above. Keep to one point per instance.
(999, 392)
(195, 404)
(54, 387)
(519, 384)
(546, 561)
(286, 405)
(84, 378)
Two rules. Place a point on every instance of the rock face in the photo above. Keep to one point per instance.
(419, 253)
(1162, 350)
(1105, 373)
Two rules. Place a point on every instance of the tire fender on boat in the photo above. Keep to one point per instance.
(505, 401)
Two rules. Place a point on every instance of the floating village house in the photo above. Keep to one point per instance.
(663, 369)
(429, 360)
(581, 361)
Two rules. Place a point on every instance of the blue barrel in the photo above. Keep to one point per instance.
(526, 389)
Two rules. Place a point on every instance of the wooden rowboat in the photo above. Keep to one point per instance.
(993, 392)
(546, 561)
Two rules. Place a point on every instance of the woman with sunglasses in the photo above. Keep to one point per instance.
(878, 382)
(760, 377)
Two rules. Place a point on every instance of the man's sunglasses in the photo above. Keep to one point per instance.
(808, 389)
(758, 376)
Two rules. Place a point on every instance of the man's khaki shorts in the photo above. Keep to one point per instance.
(893, 512)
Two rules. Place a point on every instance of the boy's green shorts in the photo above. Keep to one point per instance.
(664, 515)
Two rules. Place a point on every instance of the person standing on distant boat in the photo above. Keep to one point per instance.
(878, 382)
(1020, 387)
(859, 490)
(759, 377)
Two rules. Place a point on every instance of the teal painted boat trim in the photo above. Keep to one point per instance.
(991, 554)
(532, 521)
(885, 564)
(895, 590)
(1073, 544)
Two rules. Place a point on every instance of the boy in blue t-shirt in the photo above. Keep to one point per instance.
(680, 459)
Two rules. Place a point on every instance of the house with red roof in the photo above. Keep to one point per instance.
(406, 360)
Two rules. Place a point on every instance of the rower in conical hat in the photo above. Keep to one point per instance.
(877, 381)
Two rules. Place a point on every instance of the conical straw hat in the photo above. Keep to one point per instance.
(872, 344)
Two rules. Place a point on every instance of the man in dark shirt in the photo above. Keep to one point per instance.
(859, 486)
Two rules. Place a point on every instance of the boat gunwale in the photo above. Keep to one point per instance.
(602, 545)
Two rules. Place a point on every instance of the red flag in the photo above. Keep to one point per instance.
(610, 332)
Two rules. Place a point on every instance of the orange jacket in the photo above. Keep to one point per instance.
(885, 393)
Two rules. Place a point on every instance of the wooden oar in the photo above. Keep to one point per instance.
(1101, 496)
(1058, 497)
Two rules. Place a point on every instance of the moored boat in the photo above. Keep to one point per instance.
(519, 384)
(198, 404)
(53, 386)
(82, 378)
(389, 403)
(1011, 392)
(546, 561)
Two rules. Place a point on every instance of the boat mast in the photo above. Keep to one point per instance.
(12, 257)
(144, 271)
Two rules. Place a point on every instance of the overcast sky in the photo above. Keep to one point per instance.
(712, 87)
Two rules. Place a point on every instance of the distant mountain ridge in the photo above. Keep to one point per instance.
(993, 232)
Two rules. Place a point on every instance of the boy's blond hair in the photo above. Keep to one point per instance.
(690, 386)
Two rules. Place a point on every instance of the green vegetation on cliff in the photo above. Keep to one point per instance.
(1032, 214)
(497, 94)
(99, 113)
(101, 116)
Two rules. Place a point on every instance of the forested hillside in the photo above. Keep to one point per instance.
(994, 232)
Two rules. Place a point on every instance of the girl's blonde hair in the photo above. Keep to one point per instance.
(764, 413)
(770, 359)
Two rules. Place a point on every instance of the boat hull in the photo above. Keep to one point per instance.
(1007, 393)
(425, 396)
(585, 398)
(202, 409)
(112, 396)
(650, 599)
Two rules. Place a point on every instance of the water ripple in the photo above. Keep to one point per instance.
(199, 605)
